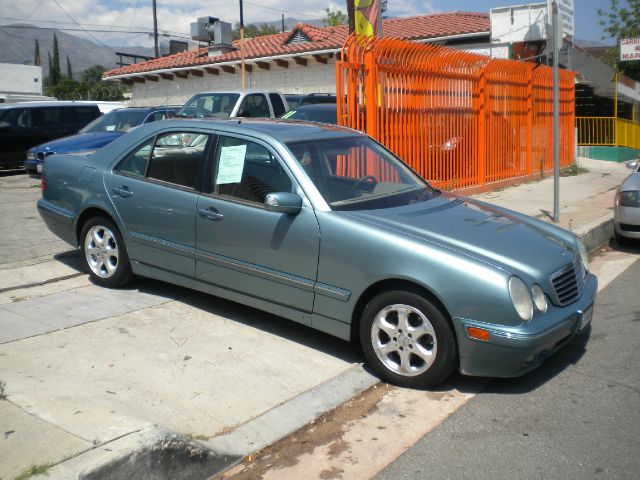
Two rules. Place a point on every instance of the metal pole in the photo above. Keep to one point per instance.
(244, 84)
(155, 30)
(556, 115)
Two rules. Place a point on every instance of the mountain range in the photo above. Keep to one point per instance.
(18, 46)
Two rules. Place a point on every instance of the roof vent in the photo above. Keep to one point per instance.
(299, 37)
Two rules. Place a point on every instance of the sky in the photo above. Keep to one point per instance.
(125, 21)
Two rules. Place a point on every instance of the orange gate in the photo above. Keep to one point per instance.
(461, 120)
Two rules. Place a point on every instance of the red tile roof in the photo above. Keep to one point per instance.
(321, 38)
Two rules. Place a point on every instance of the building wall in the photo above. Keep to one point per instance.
(315, 77)
(20, 79)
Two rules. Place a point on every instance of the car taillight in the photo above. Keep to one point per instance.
(44, 184)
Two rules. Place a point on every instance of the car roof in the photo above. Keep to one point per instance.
(284, 131)
(145, 109)
(239, 92)
(46, 104)
(317, 106)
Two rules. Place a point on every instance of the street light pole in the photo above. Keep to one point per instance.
(556, 114)
(155, 30)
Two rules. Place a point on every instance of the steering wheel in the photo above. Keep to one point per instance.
(365, 179)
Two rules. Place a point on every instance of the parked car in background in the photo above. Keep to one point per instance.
(295, 100)
(324, 226)
(23, 125)
(627, 206)
(318, 112)
(97, 134)
(250, 103)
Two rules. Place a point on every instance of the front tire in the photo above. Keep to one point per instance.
(407, 340)
(104, 253)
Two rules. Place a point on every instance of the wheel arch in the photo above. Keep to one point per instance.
(395, 284)
(92, 212)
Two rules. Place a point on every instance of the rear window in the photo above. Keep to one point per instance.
(277, 103)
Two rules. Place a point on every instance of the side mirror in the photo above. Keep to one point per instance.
(632, 164)
(244, 113)
(283, 202)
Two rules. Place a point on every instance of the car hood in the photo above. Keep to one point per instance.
(79, 142)
(632, 182)
(485, 232)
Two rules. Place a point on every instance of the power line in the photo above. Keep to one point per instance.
(282, 11)
(84, 24)
(164, 33)
(74, 21)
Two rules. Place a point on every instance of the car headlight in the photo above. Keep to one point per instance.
(31, 155)
(584, 256)
(539, 299)
(629, 198)
(521, 298)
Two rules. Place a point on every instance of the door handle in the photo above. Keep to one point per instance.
(210, 214)
(123, 191)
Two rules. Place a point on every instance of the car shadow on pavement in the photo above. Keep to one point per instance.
(629, 246)
(71, 258)
(245, 315)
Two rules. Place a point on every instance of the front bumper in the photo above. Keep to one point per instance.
(31, 166)
(511, 351)
(627, 221)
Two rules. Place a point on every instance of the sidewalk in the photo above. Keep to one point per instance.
(136, 394)
(586, 200)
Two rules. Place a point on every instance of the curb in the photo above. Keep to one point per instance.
(596, 233)
(159, 454)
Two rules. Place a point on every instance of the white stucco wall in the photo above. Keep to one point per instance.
(20, 79)
(315, 77)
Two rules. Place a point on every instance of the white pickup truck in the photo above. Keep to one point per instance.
(229, 103)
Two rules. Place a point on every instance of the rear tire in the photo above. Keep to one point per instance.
(104, 253)
(407, 340)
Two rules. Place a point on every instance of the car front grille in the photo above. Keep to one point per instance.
(568, 282)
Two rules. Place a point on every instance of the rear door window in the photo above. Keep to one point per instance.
(172, 157)
(255, 105)
(277, 104)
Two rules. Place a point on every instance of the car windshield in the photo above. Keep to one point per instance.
(219, 105)
(116, 121)
(325, 115)
(355, 173)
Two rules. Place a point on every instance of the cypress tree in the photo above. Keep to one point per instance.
(69, 72)
(36, 56)
(50, 70)
(55, 64)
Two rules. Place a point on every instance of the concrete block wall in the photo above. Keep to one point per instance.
(315, 77)
(21, 79)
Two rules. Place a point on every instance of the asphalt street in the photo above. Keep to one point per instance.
(577, 417)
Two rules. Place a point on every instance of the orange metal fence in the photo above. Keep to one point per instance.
(459, 119)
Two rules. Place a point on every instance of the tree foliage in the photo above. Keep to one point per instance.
(54, 73)
(252, 30)
(622, 22)
(36, 55)
(89, 87)
(333, 19)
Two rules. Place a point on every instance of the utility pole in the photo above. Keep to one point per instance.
(244, 84)
(155, 30)
(556, 36)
